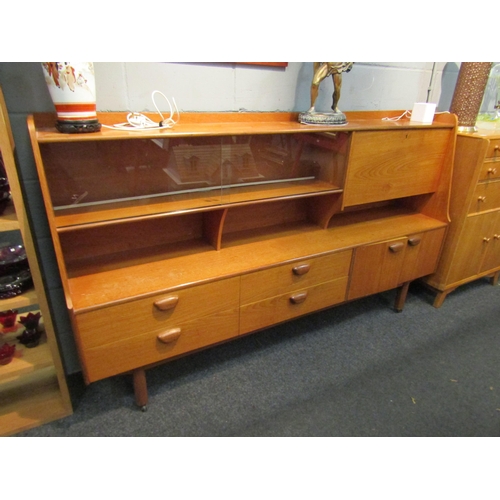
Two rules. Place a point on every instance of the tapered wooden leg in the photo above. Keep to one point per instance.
(401, 296)
(494, 279)
(438, 301)
(140, 388)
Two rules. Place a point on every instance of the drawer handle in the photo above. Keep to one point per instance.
(481, 198)
(486, 240)
(396, 247)
(169, 336)
(302, 269)
(298, 298)
(492, 170)
(496, 236)
(167, 303)
(413, 242)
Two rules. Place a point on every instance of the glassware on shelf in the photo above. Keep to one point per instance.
(32, 334)
(7, 352)
(15, 284)
(8, 320)
(12, 258)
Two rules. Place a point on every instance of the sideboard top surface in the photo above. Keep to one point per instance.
(210, 124)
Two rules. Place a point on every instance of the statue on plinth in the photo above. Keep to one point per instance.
(323, 70)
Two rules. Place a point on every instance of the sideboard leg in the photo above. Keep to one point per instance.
(140, 388)
(401, 296)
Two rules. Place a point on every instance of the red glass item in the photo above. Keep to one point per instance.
(8, 320)
(30, 321)
(7, 353)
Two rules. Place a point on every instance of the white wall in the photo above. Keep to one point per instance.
(204, 87)
(235, 87)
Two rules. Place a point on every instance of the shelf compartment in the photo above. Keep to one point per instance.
(95, 286)
(31, 405)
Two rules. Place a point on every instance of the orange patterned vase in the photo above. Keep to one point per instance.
(72, 89)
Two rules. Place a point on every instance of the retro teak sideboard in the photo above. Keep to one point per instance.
(174, 240)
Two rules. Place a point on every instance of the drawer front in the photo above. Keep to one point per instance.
(493, 150)
(115, 323)
(290, 305)
(490, 170)
(146, 348)
(486, 197)
(287, 278)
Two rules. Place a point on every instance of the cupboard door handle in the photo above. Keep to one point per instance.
(169, 336)
(496, 236)
(413, 242)
(298, 298)
(302, 269)
(486, 240)
(481, 198)
(396, 247)
(492, 170)
(167, 303)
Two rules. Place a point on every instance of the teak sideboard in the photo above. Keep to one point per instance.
(472, 247)
(175, 240)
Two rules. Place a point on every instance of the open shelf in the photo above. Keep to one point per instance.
(33, 387)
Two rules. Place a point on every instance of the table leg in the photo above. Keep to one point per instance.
(140, 388)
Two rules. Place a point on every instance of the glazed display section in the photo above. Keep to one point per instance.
(472, 248)
(33, 388)
(174, 240)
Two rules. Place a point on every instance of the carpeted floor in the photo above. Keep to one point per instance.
(358, 369)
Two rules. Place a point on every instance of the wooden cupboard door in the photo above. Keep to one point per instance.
(491, 258)
(384, 166)
(422, 254)
(377, 267)
(472, 246)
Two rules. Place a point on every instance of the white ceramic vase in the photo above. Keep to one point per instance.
(72, 89)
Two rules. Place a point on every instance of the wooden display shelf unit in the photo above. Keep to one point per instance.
(472, 246)
(33, 388)
(232, 222)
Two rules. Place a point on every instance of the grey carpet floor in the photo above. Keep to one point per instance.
(359, 369)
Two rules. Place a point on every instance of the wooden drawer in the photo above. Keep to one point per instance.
(486, 197)
(493, 150)
(490, 170)
(290, 305)
(145, 348)
(111, 324)
(120, 338)
(290, 277)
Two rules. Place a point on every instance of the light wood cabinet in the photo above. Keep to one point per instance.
(33, 388)
(171, 241)
(472, 247)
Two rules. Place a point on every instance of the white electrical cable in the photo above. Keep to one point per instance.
(139, 122)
